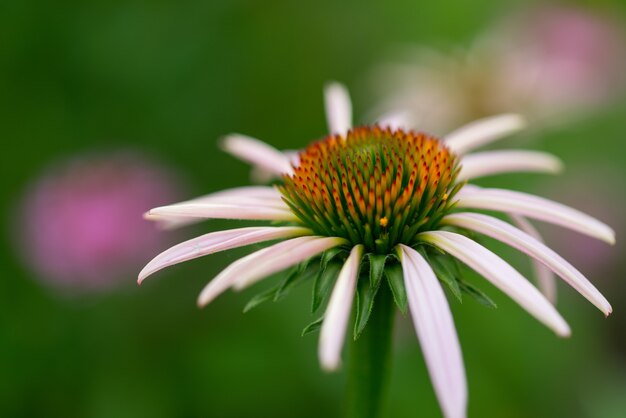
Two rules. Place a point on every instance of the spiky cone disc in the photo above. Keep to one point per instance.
(377, 187)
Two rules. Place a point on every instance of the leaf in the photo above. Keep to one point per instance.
(365, 296)
(323, 282)
(395, 278)
(302, 272)
(477, 294)
(377, 267)
(260, 298)
(313, 326)
(328, 255)
(445, 272)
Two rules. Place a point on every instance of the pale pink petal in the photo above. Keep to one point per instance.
(218, 241)
(265, 262)
(512, 236)
(483, 131)
(501, 274)
(261, 195)
(398, 120)
(495, 162)
(436, 332)
(260, 192)
(534, 207)
(338, 108)
(259, 175)
(257, 153)
(337, 313)
(545, 276)
(220, 211)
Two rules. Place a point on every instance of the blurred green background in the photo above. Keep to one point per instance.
(169, 78)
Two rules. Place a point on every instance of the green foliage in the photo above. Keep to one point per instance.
(327, 274)
(445, 270)
(313, 326)
(377, 267)
(296, 276)
(367, 290)
(450, 271)
(477, 294)
(395, 278)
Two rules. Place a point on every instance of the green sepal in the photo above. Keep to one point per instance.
(365, 295)
(477, 294)
(302, 272)
(297, 275)
(258, 299)
(377, 267)
(313, 326)
(395, 278)
(328, 255)
(445, 271)
(323, 282)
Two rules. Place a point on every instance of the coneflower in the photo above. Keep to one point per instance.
(385, 214)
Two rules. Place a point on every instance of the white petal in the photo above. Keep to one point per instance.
(337, 313)
(220, 211)
(259, 192)
(512, 236)
(261, 195)
(501, 274)
(398, 120)
(218, 241)
(545, 276)
(265, 262)
(259, 175)
(534, 207)
(257, 153)
(494, 162)
(483, 131)
(436, 332)
(338, 108)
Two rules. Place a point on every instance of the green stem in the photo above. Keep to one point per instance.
(369, 361)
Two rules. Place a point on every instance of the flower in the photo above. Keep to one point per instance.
(548, 63)
(397, 204)
(78, 224)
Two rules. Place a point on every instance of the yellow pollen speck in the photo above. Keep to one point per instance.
(384, 221)
(445, 196)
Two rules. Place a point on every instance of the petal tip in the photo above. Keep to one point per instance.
(563, 331)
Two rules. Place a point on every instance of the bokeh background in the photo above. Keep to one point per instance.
(158, 82)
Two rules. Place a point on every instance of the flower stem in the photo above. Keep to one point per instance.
(370, 360)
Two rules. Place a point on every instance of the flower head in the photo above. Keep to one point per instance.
(374, 202)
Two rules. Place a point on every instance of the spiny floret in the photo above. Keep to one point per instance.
(377, 187)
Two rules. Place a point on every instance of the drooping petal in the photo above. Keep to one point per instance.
(262, 263)
(337, 314)
(483, 131)
(259, 192)
(501, 274)
(260, 176)
(512, 236)
(255, 195)
(218, 241)
(545, 276)
(534, 207)
(436, 332)
(495, 162)
(220, 211)
(258, 153)
(338, 108)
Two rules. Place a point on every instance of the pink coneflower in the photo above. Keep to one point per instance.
(549, 63)
(79, 229)
(391, 210)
